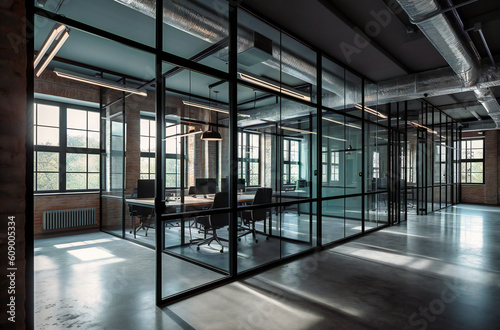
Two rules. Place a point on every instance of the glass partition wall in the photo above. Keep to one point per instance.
(240, 146)
(432, 150)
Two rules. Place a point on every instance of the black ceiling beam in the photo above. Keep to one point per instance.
(194, 96)
(260, 98)
(347, 21)
(223, 43)
(215, 84)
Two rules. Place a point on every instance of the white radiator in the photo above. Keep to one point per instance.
(58, 219)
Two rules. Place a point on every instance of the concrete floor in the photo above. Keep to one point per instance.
(440, 271)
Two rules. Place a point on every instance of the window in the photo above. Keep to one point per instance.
(148, 148)
(248, 158)
(66, 144)
(376, 165)
(172, 152)
(472, 161)
(335, 170)
(173, 156)
(290, 161)
(324, 164)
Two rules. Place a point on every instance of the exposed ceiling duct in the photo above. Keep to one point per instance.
(433, 23)
(465, 74)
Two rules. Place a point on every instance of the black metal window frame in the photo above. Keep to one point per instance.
(245, 159)
(467, 150)
(63, 150)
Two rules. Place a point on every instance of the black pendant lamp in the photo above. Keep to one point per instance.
(211, 134)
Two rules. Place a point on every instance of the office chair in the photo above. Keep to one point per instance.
(192, 190)
(262, 196)
(215, 221)
(146, 218)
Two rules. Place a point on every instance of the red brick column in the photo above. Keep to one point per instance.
(12, 156)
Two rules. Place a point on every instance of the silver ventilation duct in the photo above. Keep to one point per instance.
(452, 46)
(198, 20)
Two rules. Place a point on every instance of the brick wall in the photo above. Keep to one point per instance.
(12, 153)
(64, 202)
(487, 193)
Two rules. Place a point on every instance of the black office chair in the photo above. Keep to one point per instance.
(215, 221)
(146, 218)
(262, 196)
(192, 190)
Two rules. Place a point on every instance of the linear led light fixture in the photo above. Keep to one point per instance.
(414, 124)
(209, 107)
(59, 32)
(271, 85)
(98, 81)
(293, 129)
(370, 110)
(341, 123)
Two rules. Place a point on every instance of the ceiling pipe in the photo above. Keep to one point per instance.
(427, 15)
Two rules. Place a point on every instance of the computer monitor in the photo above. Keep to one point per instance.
(240, 185)
(206, 186)
(301, 184)
(224, 185)
(145, 188)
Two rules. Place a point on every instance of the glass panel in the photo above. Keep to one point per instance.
(333, 85)
(112, 169)
(376, 169)
(302, 81)
(76, 162)
(93, 140)
(47, 115)
(334, 129)
(93, 165)
(94, 121)
(47, 181)
(77, 138)
(296, 224)
(47, 136)
(77, 119)
(197, 30)
(144, 144)
(125, 18)
(47, 161)
(93, 181)
(353, 216)
(333, 220)
(196, 180)
(76, 181)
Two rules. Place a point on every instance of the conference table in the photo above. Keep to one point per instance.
(190, 202)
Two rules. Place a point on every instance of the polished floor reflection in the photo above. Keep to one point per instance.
(440, 271)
